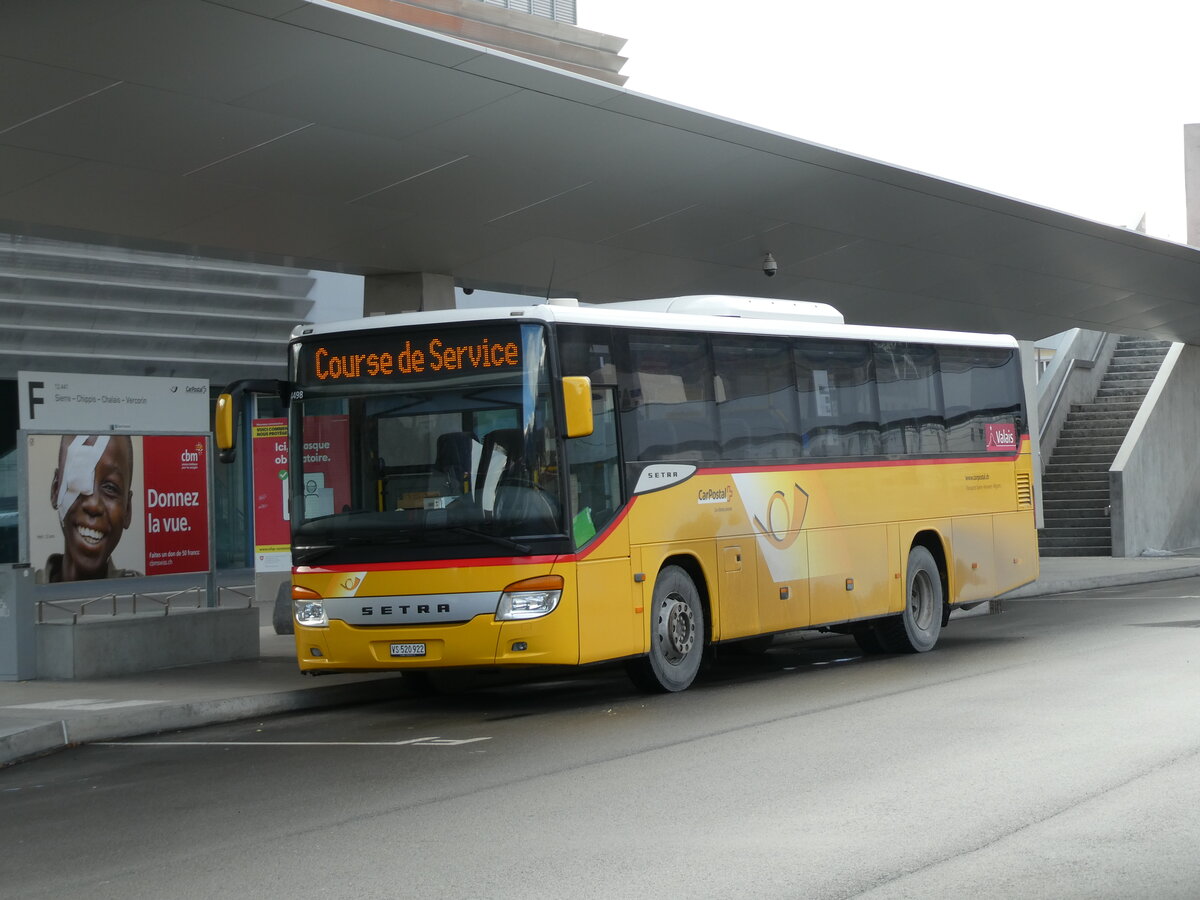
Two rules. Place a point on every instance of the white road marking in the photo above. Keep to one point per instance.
(414, 742)
(84, 705)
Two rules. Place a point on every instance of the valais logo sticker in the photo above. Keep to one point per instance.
(1001, 437)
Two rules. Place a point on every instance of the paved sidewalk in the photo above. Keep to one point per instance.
(38, 717)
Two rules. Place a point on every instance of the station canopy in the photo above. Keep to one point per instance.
(308, 134)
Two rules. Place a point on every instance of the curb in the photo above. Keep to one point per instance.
(43, 738)
(1091, 582)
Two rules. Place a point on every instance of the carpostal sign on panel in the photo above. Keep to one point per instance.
(396, 355)
(94, 404)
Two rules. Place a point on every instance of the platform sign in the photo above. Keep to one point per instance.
(65, 401)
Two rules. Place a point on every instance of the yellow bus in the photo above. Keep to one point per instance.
(564, 485)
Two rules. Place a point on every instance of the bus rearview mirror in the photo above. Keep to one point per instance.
(224, 424)
(577, 405)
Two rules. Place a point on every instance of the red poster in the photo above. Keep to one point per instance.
(272, 530)
(175, 503)
(326, 464)
(1001, 437)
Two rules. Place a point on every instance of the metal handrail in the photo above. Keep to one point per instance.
(1073, 363)
(77, 608)
(73, 611)
(239, 590)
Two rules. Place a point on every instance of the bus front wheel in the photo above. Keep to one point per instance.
(916, 630)
(676, 635)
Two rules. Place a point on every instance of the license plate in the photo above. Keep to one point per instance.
(408, 649)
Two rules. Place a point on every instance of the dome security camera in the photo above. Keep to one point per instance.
(770, 267)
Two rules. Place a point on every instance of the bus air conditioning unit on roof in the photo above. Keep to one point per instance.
(741, 307)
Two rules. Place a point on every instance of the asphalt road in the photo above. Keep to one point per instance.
(1049, 751)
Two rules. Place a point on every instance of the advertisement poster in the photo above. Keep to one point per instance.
(272, 528)
(113, 505)
(326, 464)
(176, 507)
(326, 482)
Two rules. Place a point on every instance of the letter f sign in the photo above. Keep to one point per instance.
(34, 399)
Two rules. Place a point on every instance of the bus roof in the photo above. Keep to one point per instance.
(661, 314)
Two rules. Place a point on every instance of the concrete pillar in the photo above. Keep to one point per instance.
(1191, 177)
(407, 292)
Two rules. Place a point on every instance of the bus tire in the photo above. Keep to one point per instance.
(916, 630)
(676, 635)
(281, 613)
(868, 640)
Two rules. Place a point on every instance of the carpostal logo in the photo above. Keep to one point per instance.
(189, 458)
(715, 495)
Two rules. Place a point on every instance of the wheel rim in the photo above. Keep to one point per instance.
(920, 600)
(676, 629)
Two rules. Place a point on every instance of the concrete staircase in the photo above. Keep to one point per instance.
(1075, 486)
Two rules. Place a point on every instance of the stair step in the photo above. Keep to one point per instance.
(1070, 496)
(1068, 524)
(1077, 535)
(1084, 452)
(1096, 509)
(1059, 552)
(1112, 408)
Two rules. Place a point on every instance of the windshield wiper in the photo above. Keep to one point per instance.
(523, 549)
(308, 554)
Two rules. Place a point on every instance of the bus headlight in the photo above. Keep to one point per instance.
(309, 607)
(530, 599)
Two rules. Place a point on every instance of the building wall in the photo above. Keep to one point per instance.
(501, 25)
(1191, 170)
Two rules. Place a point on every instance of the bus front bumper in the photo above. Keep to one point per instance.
(483, 641)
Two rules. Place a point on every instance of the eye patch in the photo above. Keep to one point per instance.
(78, 471)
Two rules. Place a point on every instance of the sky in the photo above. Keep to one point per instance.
(1077, 106)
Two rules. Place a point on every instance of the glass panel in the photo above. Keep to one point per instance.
(667, 397)
(910, 398)
(981, 386)
(838, 406)
(9, 531)
(595, 474)
(756, 398)
(467, 457)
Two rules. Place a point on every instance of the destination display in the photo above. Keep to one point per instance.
(397, 356)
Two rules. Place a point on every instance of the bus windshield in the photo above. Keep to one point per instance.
(420, 445)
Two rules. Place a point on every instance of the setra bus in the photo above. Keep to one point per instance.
(561, 485)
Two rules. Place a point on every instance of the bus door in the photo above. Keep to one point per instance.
(610, 622)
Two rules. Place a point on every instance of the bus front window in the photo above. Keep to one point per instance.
(465, 464)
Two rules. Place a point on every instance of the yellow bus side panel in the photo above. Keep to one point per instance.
(973, 563)
(849, 573)
(737, 588)
(611, 612)
(1017, 560)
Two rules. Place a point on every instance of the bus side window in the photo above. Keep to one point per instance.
(756, 403)
(668, 394)
(910, 398)
(839, 408)
(980, 386)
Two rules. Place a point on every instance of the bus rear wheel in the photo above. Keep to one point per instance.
(917, 629)
(676, 635)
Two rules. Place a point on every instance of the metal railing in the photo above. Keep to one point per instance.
(127, 604)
